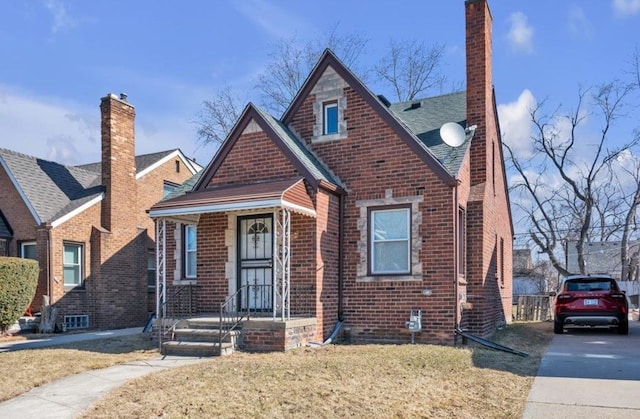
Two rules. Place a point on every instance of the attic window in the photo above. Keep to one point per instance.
(177, 166)
(330, 118)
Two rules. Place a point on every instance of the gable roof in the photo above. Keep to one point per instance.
(49, 189)
(147, 162)
(419, 146)
(54, 192)
(296, 151)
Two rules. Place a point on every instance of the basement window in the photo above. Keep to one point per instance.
(76, 321)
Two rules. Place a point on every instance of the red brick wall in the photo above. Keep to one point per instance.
(211, 259)
(118, 164)
(490, 267)
(150, 189)
(254, 157)
(378, 310)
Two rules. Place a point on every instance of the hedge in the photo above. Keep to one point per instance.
(18, 281)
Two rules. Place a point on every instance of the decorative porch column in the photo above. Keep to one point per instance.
(161, 276)
(282, 275)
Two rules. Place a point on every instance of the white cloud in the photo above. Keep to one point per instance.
(520, 34)
(274, 20)
(579, 23)
(515, 123)
(626, 7)
(69, 132)
(61, 19)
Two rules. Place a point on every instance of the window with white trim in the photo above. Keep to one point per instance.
(390, 241)
(28, 250)
(330, 118)
(72, 264)
(190, 251)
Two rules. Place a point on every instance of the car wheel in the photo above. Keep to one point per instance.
(623, 327)
(557, 327)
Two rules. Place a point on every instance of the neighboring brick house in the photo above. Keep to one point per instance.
(352, 211)
(87, 225)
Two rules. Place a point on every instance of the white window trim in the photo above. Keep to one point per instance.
(416, 274)
(406, 240)
(325, 117)
(22, 245)
(80, 250)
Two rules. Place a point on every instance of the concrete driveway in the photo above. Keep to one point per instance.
(592, 373)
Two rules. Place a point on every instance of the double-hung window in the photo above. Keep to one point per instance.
(190, 251)
(390, 241)
(72, 264)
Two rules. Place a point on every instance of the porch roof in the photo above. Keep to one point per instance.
(289, 193)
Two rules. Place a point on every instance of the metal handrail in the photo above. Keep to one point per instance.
(237, 315)
(161, 328)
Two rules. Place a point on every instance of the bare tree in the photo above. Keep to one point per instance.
(565, 189)
(411, 68)
(291, 61)
(218, 115)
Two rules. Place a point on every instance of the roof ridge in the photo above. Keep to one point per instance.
(429, 97)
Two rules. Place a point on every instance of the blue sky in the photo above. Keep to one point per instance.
(59, 57)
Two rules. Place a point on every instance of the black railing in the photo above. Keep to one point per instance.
(180, 305)
(232, 313)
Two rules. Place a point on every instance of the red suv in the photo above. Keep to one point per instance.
(590, 300)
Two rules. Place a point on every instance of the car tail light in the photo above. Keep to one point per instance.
(617, 295)
(564, 297)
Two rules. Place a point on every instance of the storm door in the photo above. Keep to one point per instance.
(255, 261)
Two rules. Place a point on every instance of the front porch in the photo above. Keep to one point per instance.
(214, 335)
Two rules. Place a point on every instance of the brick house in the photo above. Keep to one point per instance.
(350, 211)
(87, 225)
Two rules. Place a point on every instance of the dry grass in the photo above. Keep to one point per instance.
(26, 369)
(387, 381)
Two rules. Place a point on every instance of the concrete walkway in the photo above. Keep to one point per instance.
(69, 396)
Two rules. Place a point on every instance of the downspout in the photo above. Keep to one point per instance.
(341, 258)
(456, 259)
(47, 227)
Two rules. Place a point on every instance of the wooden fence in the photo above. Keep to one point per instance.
(532, 308)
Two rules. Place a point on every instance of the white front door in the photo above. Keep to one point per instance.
(255, 256)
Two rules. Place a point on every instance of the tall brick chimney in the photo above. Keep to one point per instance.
(480, 100)
(118, 163)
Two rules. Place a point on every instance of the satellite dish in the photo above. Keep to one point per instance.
(452, 134)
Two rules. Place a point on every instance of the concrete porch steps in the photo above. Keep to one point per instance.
(200, 337)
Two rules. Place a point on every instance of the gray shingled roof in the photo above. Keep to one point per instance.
(142, 161)
(51, 188)
(300, 150)
(187, 186)
(425, 122)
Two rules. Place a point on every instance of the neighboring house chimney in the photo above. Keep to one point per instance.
(118, 163)
(480, 103)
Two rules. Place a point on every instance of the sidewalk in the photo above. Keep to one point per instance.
(62, 339)
(69, 396)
